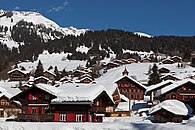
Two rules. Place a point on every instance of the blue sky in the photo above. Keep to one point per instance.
(155, 17)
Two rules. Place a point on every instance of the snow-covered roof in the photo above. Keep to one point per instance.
(17, 69)
(86, 78)
(9, 89)
(167, 60)
(152, 87)
(50, 72)
(72, 92)
(176, 57)
(122, 106)
(163, 67)
(174, 106)
(132, 80)
(173, 86)
(41, 77)
(171, 76)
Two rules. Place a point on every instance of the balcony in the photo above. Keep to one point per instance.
(102, 109)
(36, 117)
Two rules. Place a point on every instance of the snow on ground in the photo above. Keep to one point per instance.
(119, 123)
(54, 59)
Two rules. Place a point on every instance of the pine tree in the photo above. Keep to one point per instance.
(56, 72)
(154, 77)
(39, 69)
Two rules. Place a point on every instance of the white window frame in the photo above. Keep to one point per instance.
(62, 117)
(33, 97)
(79, 117)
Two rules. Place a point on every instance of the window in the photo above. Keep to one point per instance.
(33, 110)
(1, 114)
(62, 117)
(46, 97)
(2, 102)
(79, 117)
(34, 97)
(97, 103)
(40, 110)
(40, 96)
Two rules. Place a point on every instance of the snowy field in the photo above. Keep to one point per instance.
(125, 123)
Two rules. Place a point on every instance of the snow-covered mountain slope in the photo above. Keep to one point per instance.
(141, 34)
(45, 28)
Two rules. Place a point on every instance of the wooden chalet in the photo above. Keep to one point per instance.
(131, 61)
(164, 70)
(120, 62)
(130, 87)
(65, 103)
(86, 80)
(167, 61)
(183, 90)
(170, 111)
(41, 79)
(78, 73)
(111, 65)
(176, 59)
(146, 60)
(170, 77)
(35, 104)
(18, 75)
(9, 108)
(152, 90)
(66, 79)
(51, 76)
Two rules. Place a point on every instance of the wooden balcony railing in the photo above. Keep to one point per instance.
(36, 117)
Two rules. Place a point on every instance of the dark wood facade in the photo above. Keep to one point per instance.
(163, 116)
(41, 79)
(9, 108)
(83, 111)
(49, 75)
(163, 70)
(176, 59)
(182, 93)
(18, 75)
(169, 77)
(167, 61)
(130, 89)
(34, 101)
(111, 65)
(37, 106)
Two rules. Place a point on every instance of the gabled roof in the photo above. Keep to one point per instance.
(152, 87)
(49, 72)
(174, 106)
(163, 67)
(41, 77)
(8, 91)
(74, 92)
(132, 79)
(86, 78)
(176, 57)
(51, 90)
(173, 86)
(21, 71)
(167, 60)
(171, 76)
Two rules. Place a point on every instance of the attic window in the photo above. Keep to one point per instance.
(77, 86)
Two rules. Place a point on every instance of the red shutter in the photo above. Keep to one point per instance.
(56, 116)
(89, 119)
(84, 117)
(30, 96)
(169, 96)
(176, 96)
(37, 110)
(71, 117)
(183, 98)
(29, 110)
(43, 110)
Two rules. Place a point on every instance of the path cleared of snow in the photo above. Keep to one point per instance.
(126, 123)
